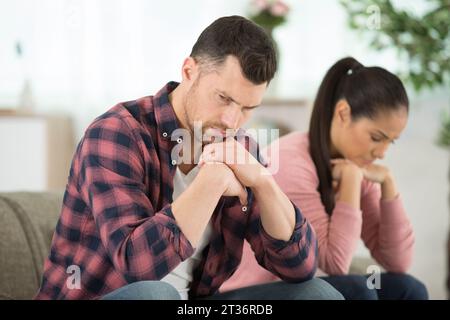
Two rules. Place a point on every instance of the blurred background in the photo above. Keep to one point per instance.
(64, 62)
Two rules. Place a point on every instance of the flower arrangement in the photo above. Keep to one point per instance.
(269, 13)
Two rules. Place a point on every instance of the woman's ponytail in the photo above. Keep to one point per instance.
(320, 125)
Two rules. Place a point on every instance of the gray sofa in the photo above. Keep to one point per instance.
(27, 222)
(26, 229)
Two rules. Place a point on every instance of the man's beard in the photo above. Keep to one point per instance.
(204, 132)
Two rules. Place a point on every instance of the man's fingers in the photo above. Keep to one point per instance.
(243, 196)
(229, 152)
(220, 152)
(208, 157)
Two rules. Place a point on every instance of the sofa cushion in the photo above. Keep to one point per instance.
(28, 222)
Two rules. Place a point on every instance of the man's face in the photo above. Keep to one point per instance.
(221, 99)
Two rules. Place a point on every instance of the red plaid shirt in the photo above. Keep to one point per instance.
(116, 222)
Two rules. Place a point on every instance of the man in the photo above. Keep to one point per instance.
(139, 223)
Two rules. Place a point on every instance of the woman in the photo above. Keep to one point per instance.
(330, 174)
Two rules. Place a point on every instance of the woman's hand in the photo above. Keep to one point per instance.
(347, 178)
(373, 172)
(381, 174)
(376, 173)
(344, 167)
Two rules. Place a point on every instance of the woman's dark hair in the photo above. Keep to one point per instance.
(368, 91)
(245, 40)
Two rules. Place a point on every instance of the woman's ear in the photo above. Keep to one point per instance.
(343, 112)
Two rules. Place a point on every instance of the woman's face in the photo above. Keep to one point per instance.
(365, 140)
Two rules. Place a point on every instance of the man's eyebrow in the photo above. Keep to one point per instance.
(226, 95)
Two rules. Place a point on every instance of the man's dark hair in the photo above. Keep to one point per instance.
(243, 39)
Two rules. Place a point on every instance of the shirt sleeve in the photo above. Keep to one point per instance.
(337, 235)
(382, 225)
(386, 230)
(142, 243)
(294, 260)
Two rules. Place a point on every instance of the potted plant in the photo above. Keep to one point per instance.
(270, 14)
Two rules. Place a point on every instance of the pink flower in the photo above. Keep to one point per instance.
(261, 4)
(279, 8)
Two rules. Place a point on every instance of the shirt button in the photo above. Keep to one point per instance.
(244, 209)
(165, 134)
(174, 162)
(179, 140)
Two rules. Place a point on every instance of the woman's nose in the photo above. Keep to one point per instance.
(380, 151)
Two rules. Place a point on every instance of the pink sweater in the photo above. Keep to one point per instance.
(383, 225)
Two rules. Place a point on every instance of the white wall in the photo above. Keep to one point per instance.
(24, 160)
(83, 56)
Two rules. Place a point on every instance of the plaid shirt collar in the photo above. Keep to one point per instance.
(165, 116)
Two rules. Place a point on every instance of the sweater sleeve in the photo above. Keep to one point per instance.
(337, 235)
(386, 230)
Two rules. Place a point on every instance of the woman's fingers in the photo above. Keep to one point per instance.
(335, 185)
(337, 161)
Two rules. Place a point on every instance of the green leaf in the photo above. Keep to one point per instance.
(419, 39)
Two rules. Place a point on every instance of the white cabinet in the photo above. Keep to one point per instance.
(35, 152)
(284, 115)
(292, 114)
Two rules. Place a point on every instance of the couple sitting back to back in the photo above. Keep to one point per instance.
(154, 209)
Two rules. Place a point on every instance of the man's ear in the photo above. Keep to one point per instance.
(189, 69)
(343, 112)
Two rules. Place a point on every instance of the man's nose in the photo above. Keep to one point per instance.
(230, 117)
